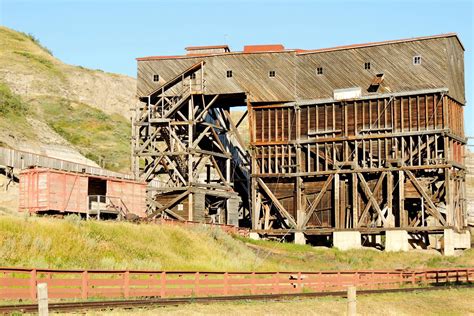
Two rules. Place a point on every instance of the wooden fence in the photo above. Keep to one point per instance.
(18, 283)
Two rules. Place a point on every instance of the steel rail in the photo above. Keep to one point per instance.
(162, 302)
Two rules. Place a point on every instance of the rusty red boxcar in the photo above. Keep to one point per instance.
(53, 191)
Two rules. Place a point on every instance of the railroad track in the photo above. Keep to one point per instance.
(157, 302)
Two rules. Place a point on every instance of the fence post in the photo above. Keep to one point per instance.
(226, 283)
(33, 284)
(253, 288)
(300, 285)
(351, 301)
(163, 284)
(196, 283)
(42, 290)
(85, 285)
(126, 284)
(277, 282)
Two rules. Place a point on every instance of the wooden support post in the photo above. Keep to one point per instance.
(190, 122)
(300, 216)
(336, 203)
(390, 215)
(401, 198)
(42, 290)
(342, 205)
(255, 209)
(355, 202)
(449, 197)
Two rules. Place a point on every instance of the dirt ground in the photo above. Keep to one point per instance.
(443, 302)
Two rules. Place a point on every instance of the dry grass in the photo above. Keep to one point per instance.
(443, 302)
(70, 243)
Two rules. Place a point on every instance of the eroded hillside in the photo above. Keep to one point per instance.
(63, 111)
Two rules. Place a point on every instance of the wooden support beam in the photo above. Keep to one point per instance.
(370, 196)
(166, 207)
(277, 203)
(219, 173)
(242, 118)
(431, 208)
(317, 199)
(204, 112)
(378, 185)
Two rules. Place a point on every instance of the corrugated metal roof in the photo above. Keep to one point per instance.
(277, 48)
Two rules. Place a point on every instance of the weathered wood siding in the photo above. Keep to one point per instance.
(296, 75)
(250, 73)
(345, 68)
(455, 57)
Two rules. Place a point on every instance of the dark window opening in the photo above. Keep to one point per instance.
(97, 186)
(417, 60)
(376, 82)
(367, 66)
(319, 70)
(271, 73)
(229, 74)
(156, 78)
(192, 76)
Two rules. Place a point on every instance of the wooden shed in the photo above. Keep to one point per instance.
(53, 191)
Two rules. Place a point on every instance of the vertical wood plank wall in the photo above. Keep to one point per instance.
(376, 137)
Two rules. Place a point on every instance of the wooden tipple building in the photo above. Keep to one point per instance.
(361, 139)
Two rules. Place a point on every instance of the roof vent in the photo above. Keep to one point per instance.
(263, 48)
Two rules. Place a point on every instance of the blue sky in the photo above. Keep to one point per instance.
(108, 35)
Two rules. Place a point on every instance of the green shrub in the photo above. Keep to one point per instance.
(11, 103)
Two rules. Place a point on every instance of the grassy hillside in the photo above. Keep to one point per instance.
(55, 243)
(13, 112)
(77, 108)
(100, 137)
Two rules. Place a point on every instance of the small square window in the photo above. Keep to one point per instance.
(271, 73)
(229, 73)
(367, 66)
(192, 76)
(417, 60)
(319, 70)
(156, 78)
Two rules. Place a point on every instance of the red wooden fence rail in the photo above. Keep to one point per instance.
(20, 283)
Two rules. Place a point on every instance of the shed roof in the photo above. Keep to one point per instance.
(278, 48)
(371, 44)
